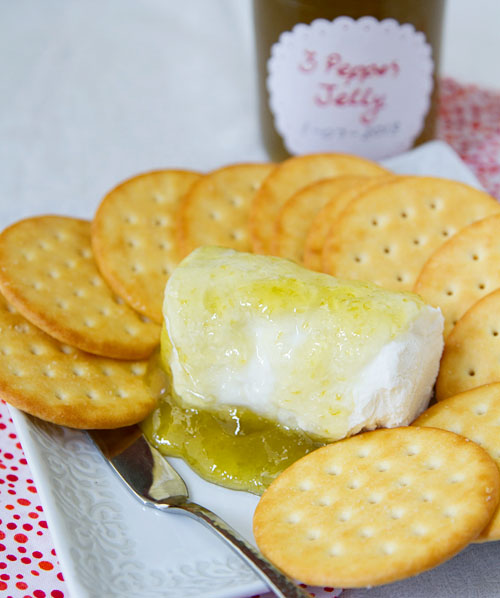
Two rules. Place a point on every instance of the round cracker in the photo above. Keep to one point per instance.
(377, 507)
(133, 236)
(474, 414)
(291, 176)
(471, 355)
(215, 209)
(323, 221)
(65, 386)
(463, 270)
(387, 233)
(50, 276)
(298, 213)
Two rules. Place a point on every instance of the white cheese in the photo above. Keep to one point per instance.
(304, 349)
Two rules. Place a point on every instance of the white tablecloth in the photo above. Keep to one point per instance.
(93, 92)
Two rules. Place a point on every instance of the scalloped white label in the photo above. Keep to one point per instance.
(360, 86)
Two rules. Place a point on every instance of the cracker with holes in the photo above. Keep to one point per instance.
(289, 177)
(377, 507)
(50, 276)
(215, 210)
(133, 236)
(387, 233)
(63, 385)
(462, 270)
(474, 414)
(298, 213)
(471, 355)
(324, 219)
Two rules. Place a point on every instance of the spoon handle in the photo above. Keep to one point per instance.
(282, 585)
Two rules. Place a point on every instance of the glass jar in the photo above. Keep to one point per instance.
(357, 76)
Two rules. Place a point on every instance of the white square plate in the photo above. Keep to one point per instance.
(110, 546)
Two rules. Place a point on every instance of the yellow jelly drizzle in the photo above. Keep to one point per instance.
(231, 447)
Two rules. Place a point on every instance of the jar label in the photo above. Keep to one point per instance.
(360, 86)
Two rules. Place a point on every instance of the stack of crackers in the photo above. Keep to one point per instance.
(81, 311)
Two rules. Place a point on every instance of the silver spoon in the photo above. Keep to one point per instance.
(155, 483)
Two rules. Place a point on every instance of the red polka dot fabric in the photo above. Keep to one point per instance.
(28, 563)
(469, 120)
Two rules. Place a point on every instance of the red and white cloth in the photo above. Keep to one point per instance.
(28, 562)
(469, 121)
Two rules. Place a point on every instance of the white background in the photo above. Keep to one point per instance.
(471, 42)
(94, 91)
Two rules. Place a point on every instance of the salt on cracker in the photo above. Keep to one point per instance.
(65, 386)
(387, 233)
(471, 355)
(215, 210)
(323, 221)
(289, 177)
(474, 414)
(377, 507)
(298, 213)
(462, 270)
(133, 236)
(50, 276)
